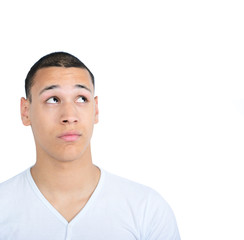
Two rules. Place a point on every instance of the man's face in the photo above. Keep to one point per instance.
(62, 113)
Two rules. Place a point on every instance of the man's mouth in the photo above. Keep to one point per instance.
(70, 136)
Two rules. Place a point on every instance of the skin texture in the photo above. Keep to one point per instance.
(63, 171)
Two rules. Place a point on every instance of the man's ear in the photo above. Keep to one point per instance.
(96, 110)
(25, 109)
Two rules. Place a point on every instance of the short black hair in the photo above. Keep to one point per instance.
(55, 59)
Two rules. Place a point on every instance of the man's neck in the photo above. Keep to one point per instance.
(77, 178)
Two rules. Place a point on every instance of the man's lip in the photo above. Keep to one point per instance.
(69, 133)
(70, 136)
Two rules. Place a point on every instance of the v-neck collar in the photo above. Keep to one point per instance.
(54, 210)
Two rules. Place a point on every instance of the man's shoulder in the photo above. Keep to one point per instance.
(143, 204)
(133, 190)
(124, 184)
(12, 185)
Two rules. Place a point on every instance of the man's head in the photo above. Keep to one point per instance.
(60, 107)
(56, 59)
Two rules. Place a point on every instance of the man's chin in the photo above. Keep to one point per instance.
(70, 156)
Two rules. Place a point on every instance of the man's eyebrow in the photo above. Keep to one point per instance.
(57, 86)
(83, 86)
(49, 88)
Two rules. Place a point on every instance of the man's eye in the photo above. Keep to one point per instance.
(52, 100)
(81, 99)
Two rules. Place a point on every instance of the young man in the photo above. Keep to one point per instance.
(64, 196)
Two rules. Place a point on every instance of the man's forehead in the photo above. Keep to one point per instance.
(62, 76)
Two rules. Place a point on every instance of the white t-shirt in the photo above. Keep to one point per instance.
(118, 209)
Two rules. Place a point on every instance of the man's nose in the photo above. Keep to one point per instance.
(69, 114)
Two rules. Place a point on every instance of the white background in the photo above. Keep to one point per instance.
(169, 76)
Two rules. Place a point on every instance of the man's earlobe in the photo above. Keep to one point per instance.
(24, 110)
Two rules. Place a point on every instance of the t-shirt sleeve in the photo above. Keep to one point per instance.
(159, 220)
